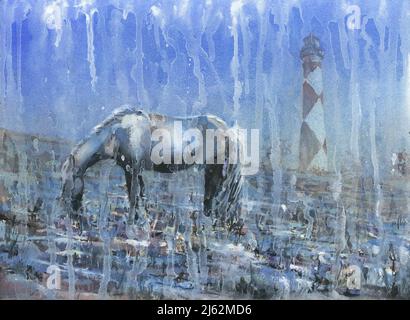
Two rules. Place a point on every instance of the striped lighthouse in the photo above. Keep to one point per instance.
(312, 150)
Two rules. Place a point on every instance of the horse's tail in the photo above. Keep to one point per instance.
(236, 176)
(229, 198)
(234, 201)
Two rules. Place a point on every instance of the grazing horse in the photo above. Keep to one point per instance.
(126, 137)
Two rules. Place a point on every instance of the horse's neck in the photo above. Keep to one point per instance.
(91, 150)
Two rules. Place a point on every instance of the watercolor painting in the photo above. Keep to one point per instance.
(210, 149)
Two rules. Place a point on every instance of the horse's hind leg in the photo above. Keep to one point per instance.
(141, 186)
(140, 197)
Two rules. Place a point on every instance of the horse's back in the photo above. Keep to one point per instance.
(159, 120)
(206, 121)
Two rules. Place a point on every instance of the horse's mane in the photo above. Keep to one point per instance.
(113, 118)
(116, 116)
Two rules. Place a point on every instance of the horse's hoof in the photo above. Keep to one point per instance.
(131, 232)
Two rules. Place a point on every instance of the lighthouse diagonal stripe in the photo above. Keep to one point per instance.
(309, 146)
(319, 161)
(309, 98)
(315, 121)
(314, 78)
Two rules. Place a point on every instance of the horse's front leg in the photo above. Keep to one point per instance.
(132, 196)
(135, 186)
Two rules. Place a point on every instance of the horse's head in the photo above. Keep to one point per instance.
(72, 186)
